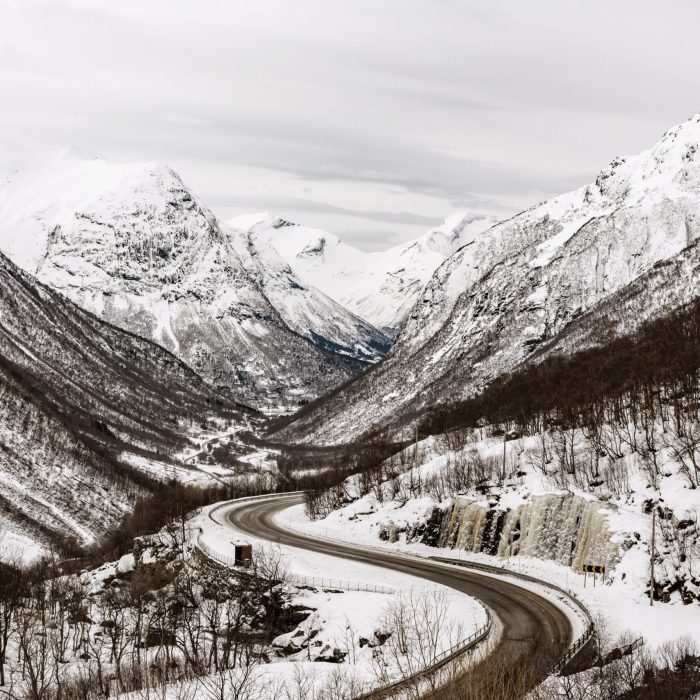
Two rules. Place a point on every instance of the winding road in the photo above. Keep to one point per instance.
(533, 628)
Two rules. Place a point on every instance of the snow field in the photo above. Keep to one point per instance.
(618, 605)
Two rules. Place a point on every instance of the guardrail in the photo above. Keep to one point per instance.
(579, 643)
(573, 650)
(259, 497)
(313, 581)
(439, 663)
(339, 584)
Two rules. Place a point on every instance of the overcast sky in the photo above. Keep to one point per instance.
(374, 119)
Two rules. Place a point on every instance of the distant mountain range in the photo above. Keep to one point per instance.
(559, 276)
(380, 287)
(132, 244)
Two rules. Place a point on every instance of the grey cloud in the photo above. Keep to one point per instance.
(424, 104)
(281, 204)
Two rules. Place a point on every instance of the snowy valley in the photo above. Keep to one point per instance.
(537, 414)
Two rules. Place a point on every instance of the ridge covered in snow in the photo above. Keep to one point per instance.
(517, 287)
(89, 416)
(132, 244)
(380, 287)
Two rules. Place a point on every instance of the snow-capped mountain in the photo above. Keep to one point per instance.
(305, 309)
(520, 286)
(134, 245)
(89, 415)
(380, 287)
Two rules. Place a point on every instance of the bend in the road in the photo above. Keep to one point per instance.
(532, 625)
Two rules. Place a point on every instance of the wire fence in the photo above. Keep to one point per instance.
(339, 584)
(310, 581)
(439, 662)
(210, 552)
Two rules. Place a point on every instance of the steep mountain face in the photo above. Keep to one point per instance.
(133, 245)
(89, 414)
(520, 285)
(305, 309)
(379, 287)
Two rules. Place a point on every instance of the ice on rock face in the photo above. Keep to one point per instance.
(565, 528)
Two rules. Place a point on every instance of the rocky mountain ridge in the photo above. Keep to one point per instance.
(380, 287)
(518, 286)
(132, 244)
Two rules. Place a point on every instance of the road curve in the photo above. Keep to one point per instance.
(531, 623)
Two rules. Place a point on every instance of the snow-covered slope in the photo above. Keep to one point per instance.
(380, 287)
(89, 414)
(519, 285)
(305, 309)
(132, 244)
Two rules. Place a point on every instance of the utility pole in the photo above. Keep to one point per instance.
(653, 547)
(505, 435)
(415, 462)
(415, 449)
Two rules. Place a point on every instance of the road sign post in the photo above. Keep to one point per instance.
(592, 569)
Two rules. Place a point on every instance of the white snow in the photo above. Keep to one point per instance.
(339, 612)
(620, 603)
(380, 287)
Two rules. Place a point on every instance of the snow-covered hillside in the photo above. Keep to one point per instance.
(380, 287)
(89, 415)
(519, 286)
(470, 498)
(305, 309)
(134, 245)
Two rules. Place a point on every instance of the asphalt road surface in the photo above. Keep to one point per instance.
(531, 624)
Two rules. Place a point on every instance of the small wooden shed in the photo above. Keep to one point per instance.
(243, 553)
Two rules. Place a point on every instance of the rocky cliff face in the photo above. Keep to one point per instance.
(514, 290)
(305, 309)
(134, 245)
(380, 287)
(89, 415)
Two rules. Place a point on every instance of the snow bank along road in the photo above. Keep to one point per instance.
(530, 622)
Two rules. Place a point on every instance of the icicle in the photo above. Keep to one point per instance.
(565, 528)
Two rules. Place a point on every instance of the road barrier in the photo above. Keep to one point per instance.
(312, 581)
(589, 628)
(440, 661)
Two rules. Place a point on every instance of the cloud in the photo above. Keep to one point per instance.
(388, 113)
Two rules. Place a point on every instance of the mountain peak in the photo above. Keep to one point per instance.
(520, 286)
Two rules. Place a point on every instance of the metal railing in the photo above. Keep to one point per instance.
(312, 581)
(579, 643)
(339, 584)
(244, 499)
(573, 650)
(440, 661)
